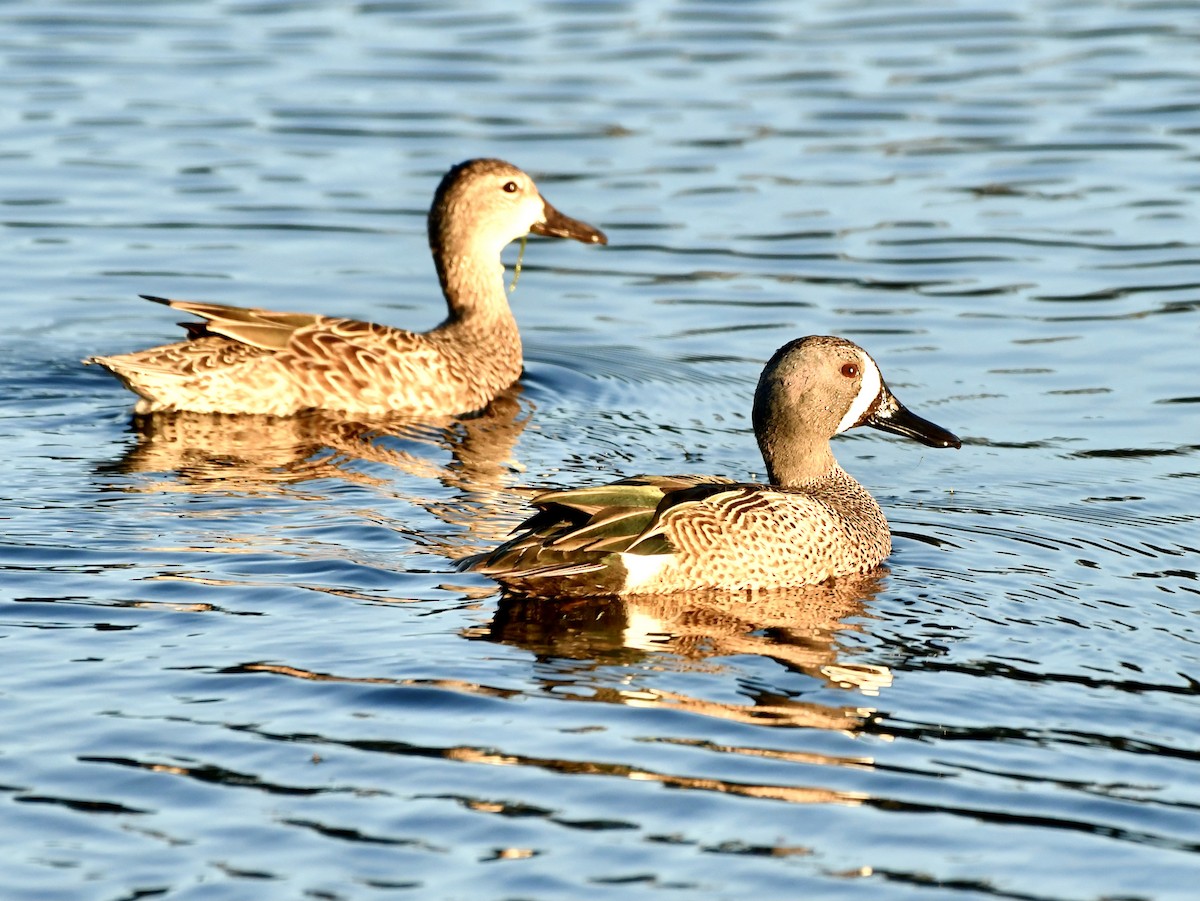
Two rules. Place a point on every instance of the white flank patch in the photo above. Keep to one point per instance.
(644, 632)
(641, 569)
(871, 385)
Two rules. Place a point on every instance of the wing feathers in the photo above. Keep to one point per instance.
(573, 544)
(264, 329)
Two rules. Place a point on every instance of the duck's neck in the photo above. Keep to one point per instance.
(794, 461)
(472, 276)
(479, 331)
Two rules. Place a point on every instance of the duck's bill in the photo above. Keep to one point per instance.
(556, 225)
(892, 416)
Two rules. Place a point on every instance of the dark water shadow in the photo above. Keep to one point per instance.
(256, 455)
(799, 629)
(583, 644)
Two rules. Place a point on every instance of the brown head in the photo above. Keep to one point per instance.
(812, 389)
(483, 205)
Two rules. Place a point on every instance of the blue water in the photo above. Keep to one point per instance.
(238, 661)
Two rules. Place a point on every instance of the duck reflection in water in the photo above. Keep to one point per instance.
(797, 628)
(257, 454)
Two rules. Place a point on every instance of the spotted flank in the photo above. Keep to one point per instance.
(248, 360)
(659, 534)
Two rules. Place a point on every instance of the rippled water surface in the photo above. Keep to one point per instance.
(237, 659)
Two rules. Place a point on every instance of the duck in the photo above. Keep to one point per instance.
(811, 523)
(251, 360)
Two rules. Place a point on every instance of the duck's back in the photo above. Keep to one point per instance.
(655, 535)
(258, 361)
(761, 536)
(771, 537)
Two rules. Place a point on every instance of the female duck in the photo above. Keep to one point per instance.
(660, 534)
(241, 360)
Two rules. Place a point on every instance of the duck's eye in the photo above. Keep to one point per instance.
(510, 187)
(850, 370)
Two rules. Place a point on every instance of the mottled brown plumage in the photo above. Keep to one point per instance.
(656, 534)
(240, 360)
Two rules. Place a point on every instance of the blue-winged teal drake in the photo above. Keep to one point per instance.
(240, 360)
(661, 534)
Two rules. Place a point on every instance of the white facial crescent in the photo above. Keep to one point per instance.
(872, 384)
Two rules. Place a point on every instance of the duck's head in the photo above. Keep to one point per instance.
(490, 203)
(816, 387)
